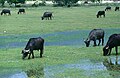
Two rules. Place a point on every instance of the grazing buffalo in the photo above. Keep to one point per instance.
(100, 13)
(95, 34)
(5, 11)
(47, 15)
(113, 41)
(21, 11)
(33, 44)
(116, 8)
(107, 8)
(69, 6)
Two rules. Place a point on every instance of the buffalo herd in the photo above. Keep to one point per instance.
(7, 11)
(102, 12)
(95, 34)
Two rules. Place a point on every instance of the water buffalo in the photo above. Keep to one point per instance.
(107, 8)
(5, 11)
(113, 41)
(95, 34)
(33, 44)
(47, 15)
(21, 11)
(100, 13)
(116, 8)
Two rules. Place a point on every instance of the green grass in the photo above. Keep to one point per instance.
(11, 60)
(65, 19)
(74, 18)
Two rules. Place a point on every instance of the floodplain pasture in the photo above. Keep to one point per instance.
(62, 58)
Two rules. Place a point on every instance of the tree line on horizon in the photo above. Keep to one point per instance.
(57, 2)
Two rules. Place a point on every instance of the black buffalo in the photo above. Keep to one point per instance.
(107, 8)
(47, 15)
(5, 11)
(33, 44)
(21, 11)
(100, 13)
(95, 34)
(113, 41)
(116, 8)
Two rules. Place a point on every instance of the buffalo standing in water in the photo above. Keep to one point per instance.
(33, 44)
(5, 11)
(47, 15)
(95, 34)
(100, 13)
(114, 41)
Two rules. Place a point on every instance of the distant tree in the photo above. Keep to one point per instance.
(12, 1)
(16, 1)
(2, 2)
(96, 1)
(93, 0)
(65, 2)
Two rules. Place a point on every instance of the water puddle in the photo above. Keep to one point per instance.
(67, 38)
(87, 66)
(14, 75)
(109, 67)
(112, 64)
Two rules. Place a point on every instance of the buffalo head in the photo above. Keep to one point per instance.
(87, 42)
(105, 50)
(42, 18)
(97, 16)
(25, 53)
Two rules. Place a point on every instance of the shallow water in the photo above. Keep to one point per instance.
(86, 65)
(89, 68)
(67, 38)
(14, 75)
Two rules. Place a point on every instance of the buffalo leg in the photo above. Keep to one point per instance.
(32, 54)
(94, 42)
(9, 13)
(102, 41)
(116, 48)
(29, 55)
(104, 15)
(99, 42)
(41, 52)
(50, 18)
(110, 51)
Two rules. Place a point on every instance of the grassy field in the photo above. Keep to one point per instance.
(74, 18)
(55, 58)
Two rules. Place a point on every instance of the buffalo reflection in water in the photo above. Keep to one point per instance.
(113, 66)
